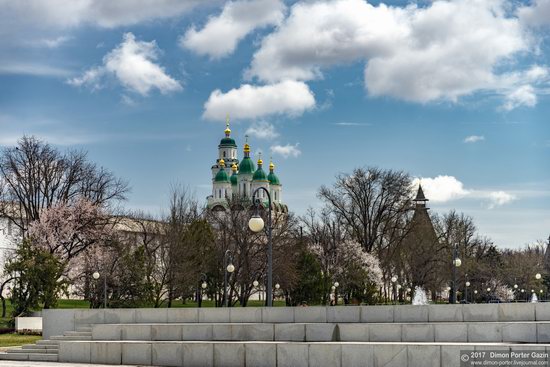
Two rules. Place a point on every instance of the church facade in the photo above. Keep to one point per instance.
(237, 180)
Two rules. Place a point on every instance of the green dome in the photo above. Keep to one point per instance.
(228, 142)
(233, 179)
(259, 175)
(221, 176)
(246, 166)
(273, 179)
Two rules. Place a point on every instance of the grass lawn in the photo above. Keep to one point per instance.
(10, 340)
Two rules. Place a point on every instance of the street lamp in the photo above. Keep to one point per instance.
(203, 286)
(256, 224)
(538, 276)
(255, 283)
(96, 276)
(466, 292)
(336, 284)
(456, 264)
(228, 269)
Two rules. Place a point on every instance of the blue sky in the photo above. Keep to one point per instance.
(454, 92)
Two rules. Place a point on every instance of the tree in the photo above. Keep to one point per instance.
(67, 229)
(38, 276)
(309, 285)
(35, 176)
(373, 204)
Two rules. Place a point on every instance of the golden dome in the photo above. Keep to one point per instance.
(271, 166)
(234, 167)
(227, 129)
(260, 162)
(247, 148)
(222, 163)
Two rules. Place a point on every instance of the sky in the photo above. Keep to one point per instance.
(456, 93)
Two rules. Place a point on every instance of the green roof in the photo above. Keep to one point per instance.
(233, 179)
(259, 175)
(228, 142)
(273, 179)
(221, 176)
(246, 166)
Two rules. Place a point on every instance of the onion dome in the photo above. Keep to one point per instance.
(259, 175)
(221, 176)
(227, 141)
(246, 166)
(272, 177)
(233, 178)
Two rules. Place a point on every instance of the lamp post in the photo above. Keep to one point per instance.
(336, 284)
(227, 269)
(466, 291)
(96, 276)
(256, 224)
(393, 280)
(277, 287)
(456, 264)
(203, 286)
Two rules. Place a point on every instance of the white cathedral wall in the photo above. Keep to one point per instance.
(10, 235)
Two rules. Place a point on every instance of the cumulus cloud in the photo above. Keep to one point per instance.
(132, 63)
(286, 151)
(473, 139)
(522, 96)
(250, 101)
(442, 51)
(104, 13)
(221, 34)
(443, 189)
(262, 130)
(499, 198)
(536, 15)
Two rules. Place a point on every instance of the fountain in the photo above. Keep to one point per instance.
(420, 297)
(534, 298)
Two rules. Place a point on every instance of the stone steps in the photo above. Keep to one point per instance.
(512, 332)
(33, 350)
(277, 354)
(42, 357)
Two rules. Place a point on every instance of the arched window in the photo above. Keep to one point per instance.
(224, 153)
(220, 193)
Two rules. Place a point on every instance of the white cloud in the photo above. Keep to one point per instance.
(474, 139)
(132, 63)
(443, 51)
(26, 68)
(221, 34)
(104, 13)
(442, 188)
(522, 96)
(499, 198)
(286, 151)
(536, 15)
(262, 130)
(250, 101)
(51, 42)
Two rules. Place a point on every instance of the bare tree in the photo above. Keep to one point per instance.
(34, 176)
(373, 204)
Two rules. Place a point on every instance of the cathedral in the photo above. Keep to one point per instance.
(238, 180)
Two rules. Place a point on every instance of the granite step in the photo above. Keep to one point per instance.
(32, 351)
(44, 357)
(296, 354)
